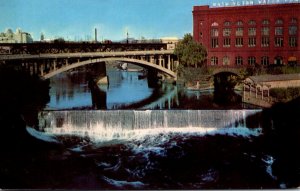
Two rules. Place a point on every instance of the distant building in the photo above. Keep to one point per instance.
(170, 41)
(18, 37)
(248, 35)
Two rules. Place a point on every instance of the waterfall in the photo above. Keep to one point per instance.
(113, 124)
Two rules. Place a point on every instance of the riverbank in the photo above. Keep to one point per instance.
(266, 103)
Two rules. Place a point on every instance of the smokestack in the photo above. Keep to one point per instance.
(95, 34)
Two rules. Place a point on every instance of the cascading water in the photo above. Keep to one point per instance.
(102, 126)
(159, 149)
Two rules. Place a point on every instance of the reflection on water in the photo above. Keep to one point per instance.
(125, 88)
(69, 90)
(127, 91)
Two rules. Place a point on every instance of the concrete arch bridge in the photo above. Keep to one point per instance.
(49, 65)
(231, 70)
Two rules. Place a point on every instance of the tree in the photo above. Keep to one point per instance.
(190, 52)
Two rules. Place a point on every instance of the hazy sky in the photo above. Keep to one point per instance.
(76, 19)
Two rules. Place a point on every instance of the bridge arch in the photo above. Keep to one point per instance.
(234, 71)
(98, 60)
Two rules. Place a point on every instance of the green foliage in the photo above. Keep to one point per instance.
(190, 74)
(190, 52)
(285, 94)
(260, 70)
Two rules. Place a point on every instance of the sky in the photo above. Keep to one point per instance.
(77, 19)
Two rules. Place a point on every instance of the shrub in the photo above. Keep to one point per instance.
(285, 94)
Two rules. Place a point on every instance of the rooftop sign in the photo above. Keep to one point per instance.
(233, 3)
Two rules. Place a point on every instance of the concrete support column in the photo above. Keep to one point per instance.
(31, 69)
(152, 59)
(54, 64)
(42, 69)
(169, 62)
(67, 62)
(160, 60)
(35, 68)
(256, 92)
(250, 90)
(176, 64)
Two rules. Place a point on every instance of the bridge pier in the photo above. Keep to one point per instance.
(101, 73)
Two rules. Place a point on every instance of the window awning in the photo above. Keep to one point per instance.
(292, 59)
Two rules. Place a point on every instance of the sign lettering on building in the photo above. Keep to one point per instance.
(233, 3)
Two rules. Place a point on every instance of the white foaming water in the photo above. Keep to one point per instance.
(269, 160)
(153, 126)
(122, 184)
(41, 136)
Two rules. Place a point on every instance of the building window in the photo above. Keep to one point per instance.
(294, 21)
(279, 41)
(226, 42)
(214, 32)
(214, 24)
(265, 22)
(279, 22)
(239, 42)
(214, 43)
(293, 41)
(238, 61)
(251, 60)
(201, 34)
(239, 23)
(226, 61)
(265, 31)
(239, 32)
(278, 60)
(265, 61)
(278, 30)
(226, 23)
(252, 42)
(293, 30)
(252, 22)
(265, 41)
(214, 61)
(226, 32)
(252, 31)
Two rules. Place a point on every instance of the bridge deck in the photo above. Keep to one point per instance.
(86, 55)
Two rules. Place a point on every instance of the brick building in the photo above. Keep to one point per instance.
(245, 35)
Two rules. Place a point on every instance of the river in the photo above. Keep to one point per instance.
(160, 137)
(127, 91)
